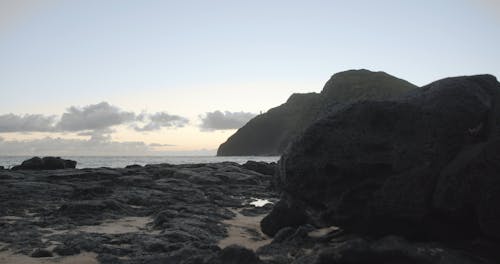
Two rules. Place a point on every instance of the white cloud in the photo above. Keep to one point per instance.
(93, 123)
(64, 147)
(218, 120)
(94, 117)
(157, 145)
(50, 146)
(160, 120)
(26, 123)
(94, 120)
(98, 135)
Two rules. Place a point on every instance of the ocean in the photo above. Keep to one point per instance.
(122, 161)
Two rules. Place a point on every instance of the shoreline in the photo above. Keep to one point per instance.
(191, 213)
(139, 213)
(118, 162)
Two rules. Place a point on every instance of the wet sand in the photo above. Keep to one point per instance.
(82, 258)
(244, 231)
(121, 226)
(322, 231)
(111, 226)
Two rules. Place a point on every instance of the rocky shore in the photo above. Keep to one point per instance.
(139, 214)
(198, 213)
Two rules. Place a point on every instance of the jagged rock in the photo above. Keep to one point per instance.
(55, 163)
(270, 133)
(88, 209)
(34, 163)
(66, 250)
(90, 191)
(151, 214)
(41, 253)
(237, 254)
(283, 215)
(471, 184)
(403, 166)
(45, 163)
(392, 249)
(133, 166)
(261, 167)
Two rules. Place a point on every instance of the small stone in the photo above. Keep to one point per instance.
(282, 215)
(133, 166)
(66, 250)
(41, 253)
(238, 254)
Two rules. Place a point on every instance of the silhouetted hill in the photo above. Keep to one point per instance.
(271, 132)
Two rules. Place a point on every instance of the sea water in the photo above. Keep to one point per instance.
(122, 161)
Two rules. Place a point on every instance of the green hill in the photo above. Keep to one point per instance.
(271, 132)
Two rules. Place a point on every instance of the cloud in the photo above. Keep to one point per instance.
(67, 147)
(218, 120)
(157, 145)
(98, 135)
(160, 120)
(50, 146)
(93, 123)
(95, 120)
(26, 123)
(94, 117)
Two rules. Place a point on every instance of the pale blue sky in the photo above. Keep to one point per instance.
(191, 57)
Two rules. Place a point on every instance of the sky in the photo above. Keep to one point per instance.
(127, 77)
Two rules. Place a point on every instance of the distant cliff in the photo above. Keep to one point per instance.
(271, 132)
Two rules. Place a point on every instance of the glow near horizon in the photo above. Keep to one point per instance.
(192, 57)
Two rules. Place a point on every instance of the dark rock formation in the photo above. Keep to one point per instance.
(41, 253)
(261, 167)
(46, 163)
(301, 246)
(271, 133)
(149, 214)
(424, 165)
(469, 188)
(133, 166)
(284, 214)
(67, 250)
(390, 250)
(237, 254)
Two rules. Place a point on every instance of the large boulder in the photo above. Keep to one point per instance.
(237, 254)
(284, 214)
(46, 163)
(468, 189)
(261, 167)
(270, 133)
(56, 163)
(423, 165)
(392, 249)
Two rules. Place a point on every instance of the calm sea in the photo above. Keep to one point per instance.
(122, 161)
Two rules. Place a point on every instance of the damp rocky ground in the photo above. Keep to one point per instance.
(187, 214)
(139, 214)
